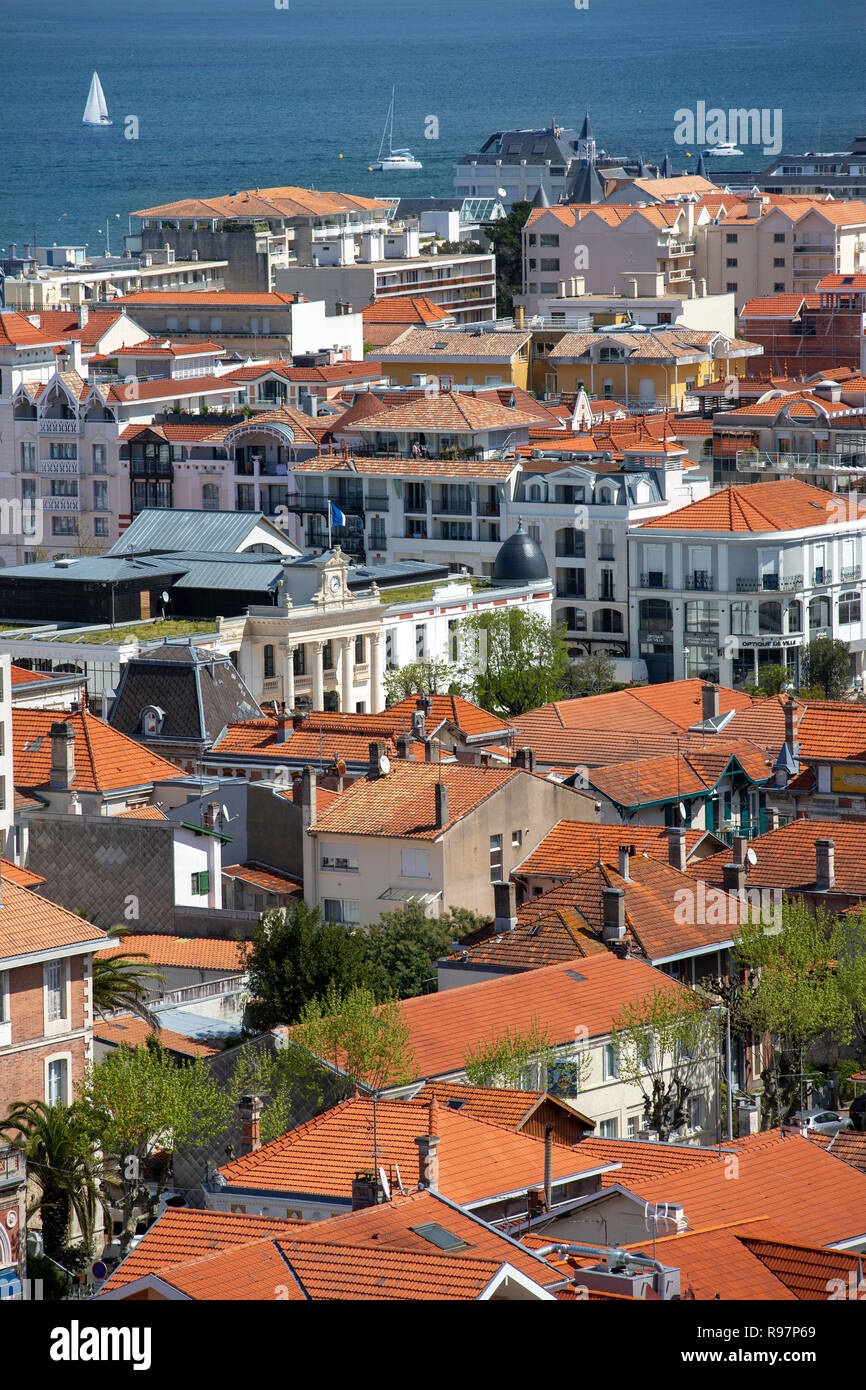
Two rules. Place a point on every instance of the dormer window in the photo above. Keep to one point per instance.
(610, 354)
(152, 719)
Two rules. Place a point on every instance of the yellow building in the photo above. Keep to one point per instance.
(458, 358)
(642, 368)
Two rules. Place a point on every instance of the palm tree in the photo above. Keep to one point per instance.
(121, 982)
(60, 1157)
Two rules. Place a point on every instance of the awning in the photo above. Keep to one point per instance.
(409, 895)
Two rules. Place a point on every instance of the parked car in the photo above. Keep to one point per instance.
(857, 1112)
(819, 1121)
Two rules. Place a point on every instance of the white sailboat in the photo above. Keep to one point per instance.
(394, 159)
(96, 110)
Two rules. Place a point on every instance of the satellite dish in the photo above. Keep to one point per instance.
(503, 192)
(384, 764)
(682, 809)
(225, 811)
(751, 857)
(164, 596)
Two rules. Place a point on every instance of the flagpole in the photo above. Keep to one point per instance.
(330, 546)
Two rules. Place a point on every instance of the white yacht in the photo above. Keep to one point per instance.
(395, 159)
(723, 152)
(96, 110)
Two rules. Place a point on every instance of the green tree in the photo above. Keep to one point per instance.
(828, 664)
(404, 945)
(419, 678)
(663, 1044)
(506, 237)
(121, 982)
(367, 1041)
(60, 1159)
(138, 1101)
(511, 1059)
(590, 675)
(513, 660)
(773, 678)
(293, 957)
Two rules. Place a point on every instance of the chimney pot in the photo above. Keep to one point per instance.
(62, 755)
(376, 753)
(442, 817)
(428, 1161)
(504, 906)
(677, 848)
(709, 701)
(525, 757)
(250, 1109)
(613, 916)
(428, 751)
(739, 847)
(404, 745)
(825, 865)
(734, 878)
(624, 854)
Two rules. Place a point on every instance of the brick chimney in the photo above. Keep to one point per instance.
(624, 854)
(376, 753)
(677, 848)
(284, 727)
(308, 797)
(709, 701)
(428, 751)
(525, 757)
(825, 865)
(790, 733)
(734, 878)
(428, 1158)
(250, 1111)
(739, 847)
(613, 914)
(504, 907)
(62, 756)
(441, 794)
(404, 745)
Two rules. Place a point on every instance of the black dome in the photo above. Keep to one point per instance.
(519, 560)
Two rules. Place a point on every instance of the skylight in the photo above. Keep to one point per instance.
(438, 1236)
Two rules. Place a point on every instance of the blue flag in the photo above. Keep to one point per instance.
(336, 517)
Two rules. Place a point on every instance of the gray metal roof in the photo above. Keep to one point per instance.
(98, 569)
(159, 529)
(223, 573)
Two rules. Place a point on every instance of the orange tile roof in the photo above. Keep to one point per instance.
(572, 846)
(170, 388)
(477, 1160)
(501, 1106)
(15, 874)
(671, 707)
(29, 923)
(444, 1027)
(785, 858)
(667, 778)
(144, 813)
(418, 468)
(403, 309)
(286, 201)
(455, 413)
(105, 760)
(327, 739)
(402, 803)
(188, 953)
(786, 505)
(810, 1274)
(63, 323)
(125, 1030)
(183, 1233)
(362, 1273)
(260, 876)
(16, 331)
(257, 1271)
(21, 676)
(820, 1200)
(472, 719)
(775, 306)
(639, 1160)
(849, 1145)
(720, 1264)
(202, 299)
(169, 349)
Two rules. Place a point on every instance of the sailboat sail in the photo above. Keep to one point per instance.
(96, 110)
(394, 159)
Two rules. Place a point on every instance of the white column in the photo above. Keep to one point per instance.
(318, 674)
(288, 674)
(377, 697)
(347, 673)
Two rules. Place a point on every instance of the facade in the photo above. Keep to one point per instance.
(841, 173)
(458, 358)
(261, 323)
(106, 279)
(744, 578)
(817, 431)
(808, 333)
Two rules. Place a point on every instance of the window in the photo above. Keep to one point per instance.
(28, 489)
(634, 1124)
(610, 1067)
(730, 238)
(696, 1112)
(731, 262)
(779, 287)
(495, 858)
(56, 1079)
(299, 660)
(100, 497)
(516, 839)
(549, 239)
(849, 606)
(28, 458)
(779, 237)
(54, 980)
(345, 910)
(339, 860)
(328, 656)
(731, 287)
(99, 458)
(64, 487)
(549, 263)
(420, 641)
(778, 261)
(4, 996)
(200, 882)
(414, 863)
(269, 662)
(359, 649)
(210, 497)
(609, 1129)
(246, 495)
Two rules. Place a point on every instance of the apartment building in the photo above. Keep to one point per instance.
(841, 173)
(744, 578)
(817, 432)
(104, 279)
(260, 324)
(771, 244)
(808, 333)
(457, 358)
(601, 242)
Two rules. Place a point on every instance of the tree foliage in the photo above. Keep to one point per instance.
(511, 1059)
(294, 957)
(827, 663)
(61, 1162)
(403, 946)
(506, 237)
(432, 677)
(590, 675)
(513, 661)
(122, 981)
(369, 1042)
(663, 1044)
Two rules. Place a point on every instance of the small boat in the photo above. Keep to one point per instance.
(394, 159)
(96, 110)
(723, 152)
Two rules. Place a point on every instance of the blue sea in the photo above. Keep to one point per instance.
(233, 94)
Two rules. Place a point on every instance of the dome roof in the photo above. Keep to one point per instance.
(519, 560)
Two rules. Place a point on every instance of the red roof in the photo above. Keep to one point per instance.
(186, 953)
(21, 676)
(403, 309)
(571, 846)
(786, 505)
(785, 858)
(16, 331)
(125, 1030)
(105, 759)
(30, 923)
(183, 1233)
(402, 802)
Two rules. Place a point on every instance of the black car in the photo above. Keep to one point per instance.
(857, 1112)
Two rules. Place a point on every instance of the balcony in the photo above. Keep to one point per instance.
(311, 502)
(57, 427)
(769, 583)
(748, 462)
(58, 468)
(698, 579)
(61, 504)
(444, 507)
(822, 576)
(378, 504)
(848, 575)
(488, 509)
(654, 580)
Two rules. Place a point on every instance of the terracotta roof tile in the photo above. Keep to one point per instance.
(188, 953)
(848, 1145)
(472, 719)
(15, 874)
(402, 309)
(402, 803)
(125, 1030)
(279, 202)
(260, 876)
(785, 858)
(182, 1234)
(572, 846)
(105, 760)
(786, 505)
(29, 922)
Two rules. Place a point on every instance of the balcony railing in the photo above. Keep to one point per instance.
(853, 572)
(769, 583)
(654, 580)
(822, 576)
(317, 503)
(699, 579)
(12, 1165)
(747, 462)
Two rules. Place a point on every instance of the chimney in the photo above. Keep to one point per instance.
(442, 816)
(772, 818)
(624, 855)
(613, 915)
(83, 315)
(250, 1109)
(308, 797)
(739, 848)
(376, 752)
(790, 732)
(298, 719)
(709, 701)
(404, 745)
(734, 878)
(428, 1158)
(677, 848)
(548, 1165)
(504, 907)
(525, 757)
(62, 756)
(284, 727)
(428, 751)
(825, 865)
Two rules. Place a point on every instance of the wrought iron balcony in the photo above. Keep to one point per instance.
(699, 579)
(853, 572)
(654, 580)
(822, 576)
(769, 583)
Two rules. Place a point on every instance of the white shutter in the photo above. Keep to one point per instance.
(415, 863)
